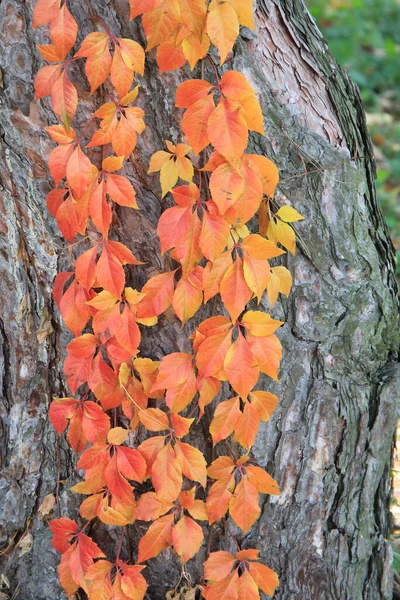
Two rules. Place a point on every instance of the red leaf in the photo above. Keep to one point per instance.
(159, 291)
(79, 172)
(109, 273)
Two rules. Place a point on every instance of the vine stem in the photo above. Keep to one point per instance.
(120, 543)
(231, 534)
(210, 60)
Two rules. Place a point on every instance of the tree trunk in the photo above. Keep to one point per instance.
(329, 443)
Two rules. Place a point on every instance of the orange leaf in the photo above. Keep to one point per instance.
(67, 219)
(248, 589)
(218, 565)
(58, 161)
(121, 75)
(166, 474)
(192, 461)
(227, 130)
(158, 292)
(265, 578)
(161, 22)
(63, 531)
(118, 485)
(64, 99)
(213, 274)
(262, 481)
(235, 86)
(218, 499)
(268, 353)
(252, 114)
(45, 79)
(247, 426)
(243, 507)
(226, 186)
(179, 397)
(150, 508)
(175, 369)
(62, 409)
(225, 589)
(109, 273)
(117, 436)
(241, 367)
(173, 226)
(264, 402)
(195, 49)
(128, 335)
(99, 209)
(195, 123)
(250, 554)
(170, 56)
(221, 468)
(249, 202)
(85, 268)
(211, 354)
(187, 538)
(154, 419)
(73, 308)
(95, 48)
(267, 171)
(187, 300)
(214, 236)
(131, 463)
(191, 91)
(188, 251)
(133, 56)
(157, 538)
(226, 416)
(257, 274)
(45, 11)
(235, 292)
(181, 425)
(63, 31)
(82, 557)
(193, 15)
(150, 449)
(79, 172)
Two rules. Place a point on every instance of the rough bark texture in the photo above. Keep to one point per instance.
(329, 443)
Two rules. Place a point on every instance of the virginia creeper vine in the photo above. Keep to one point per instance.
(207, 235)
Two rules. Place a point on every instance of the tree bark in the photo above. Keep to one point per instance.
(329, 443)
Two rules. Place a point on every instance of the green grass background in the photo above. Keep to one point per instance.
(364, 36)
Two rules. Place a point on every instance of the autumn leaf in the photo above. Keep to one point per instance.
(222, 26)
(235, 292)
(192, 462)
(166, 474)
(187, 538)
(243, 507)
(227, 130)
(225, 418)
(157, 538)
(264, 402)
(240, 367)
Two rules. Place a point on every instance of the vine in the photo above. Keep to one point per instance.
(213, 251)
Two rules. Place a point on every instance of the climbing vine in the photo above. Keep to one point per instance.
(128, 414)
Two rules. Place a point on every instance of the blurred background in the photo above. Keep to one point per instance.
(364, 36)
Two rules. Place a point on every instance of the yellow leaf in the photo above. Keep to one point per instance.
(117, 436)
(222, 27)
(289, 214)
